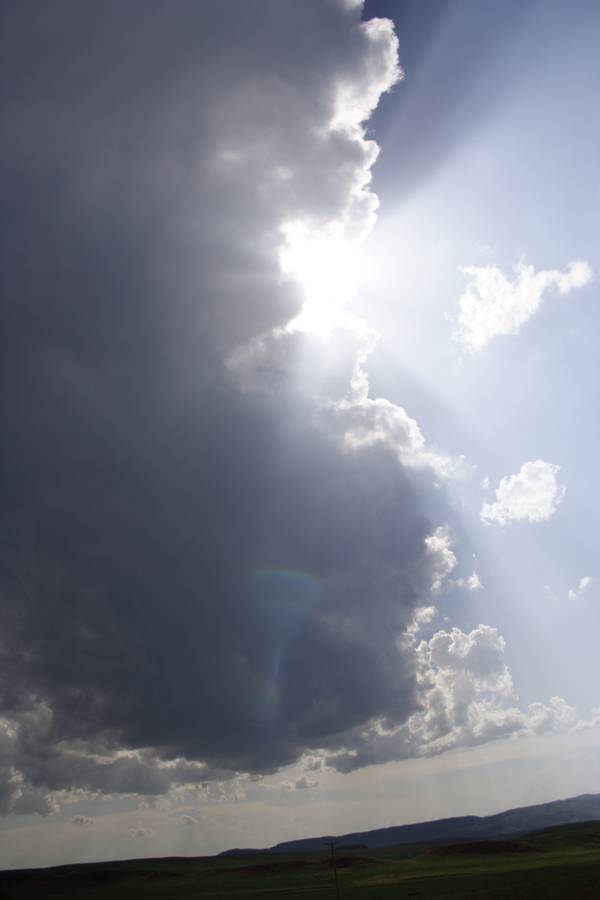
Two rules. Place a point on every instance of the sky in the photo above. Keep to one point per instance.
(300, 441)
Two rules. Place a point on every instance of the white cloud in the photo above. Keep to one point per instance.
(304, 783)
(472, 583)
(532, 495)
(467, 697)
(367, 422)
(494, 305)
(312, 763)
(358, 97)
(441, 556)
(582, 587)
(82, 821)
(423, 615)
(479, 652)
(592, 722)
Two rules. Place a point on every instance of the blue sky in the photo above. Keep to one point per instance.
(514, 149)
(302, 455)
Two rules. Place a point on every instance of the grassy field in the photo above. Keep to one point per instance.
(558, 863)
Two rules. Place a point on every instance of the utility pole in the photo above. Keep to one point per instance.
(331, 844)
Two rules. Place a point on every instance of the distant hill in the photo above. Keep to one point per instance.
(579, 836)
(558, 862)
(584, 808)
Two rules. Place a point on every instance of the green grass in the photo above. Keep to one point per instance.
(558, 863)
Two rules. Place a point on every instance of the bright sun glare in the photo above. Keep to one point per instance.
(329, 269)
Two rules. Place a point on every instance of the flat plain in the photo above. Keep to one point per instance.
(562, 862)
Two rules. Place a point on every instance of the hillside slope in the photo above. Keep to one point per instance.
(584, 808)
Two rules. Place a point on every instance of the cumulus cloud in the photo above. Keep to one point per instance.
(592, 722)
(583, 586)
(217, 534)
(441, 555)
(494, 305)
(532, 495)
(422, 616)
(467, 697)
(304, 783)
(471, 583)
(312, 763)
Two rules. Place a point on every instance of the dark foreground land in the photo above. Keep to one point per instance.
(561, 862)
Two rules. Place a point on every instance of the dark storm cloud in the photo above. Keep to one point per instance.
(193, 567)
